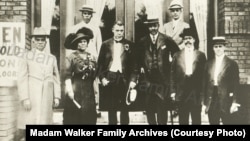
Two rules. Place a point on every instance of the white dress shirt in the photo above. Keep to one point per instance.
(175, 24)
(116, 64)
(154, 37)
(218, 64)
(189, 59)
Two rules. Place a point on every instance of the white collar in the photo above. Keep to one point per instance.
(189, 50)
(156, 35)
(176, 21)
(219, 58)
(38, 51)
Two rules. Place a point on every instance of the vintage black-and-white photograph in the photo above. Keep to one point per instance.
(123, 62)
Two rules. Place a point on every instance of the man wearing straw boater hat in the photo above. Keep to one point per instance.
(153, 52)
(187, 69)
(87, 14)
(220, 86)
(38, 84)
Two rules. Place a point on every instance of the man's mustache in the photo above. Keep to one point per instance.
(188, 43)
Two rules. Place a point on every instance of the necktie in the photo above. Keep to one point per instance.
(154, 40)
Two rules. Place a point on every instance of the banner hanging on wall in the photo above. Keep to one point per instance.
(12, 41)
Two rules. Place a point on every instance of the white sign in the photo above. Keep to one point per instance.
(12, 39)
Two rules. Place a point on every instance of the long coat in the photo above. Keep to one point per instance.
(104, 63)
(228, 82)
(38, 81)
(178, 79)
(165, 47)
(175, 33)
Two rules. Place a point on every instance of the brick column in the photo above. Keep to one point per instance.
(234, 23)
(12, 11)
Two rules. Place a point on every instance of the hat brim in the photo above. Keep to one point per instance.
(151, 21)
(182, 36)
(77, 39)
(39, 36)
(219, 42)
(175, 7)
(91, 11)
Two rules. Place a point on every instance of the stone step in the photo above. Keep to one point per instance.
(136, 118)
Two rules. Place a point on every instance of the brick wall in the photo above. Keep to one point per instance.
(12, 11)
(234, 23)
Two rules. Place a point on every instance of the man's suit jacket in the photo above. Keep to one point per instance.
(178, 76)
(175, 34)
(165, 47)
(228, 81)
(105, 59)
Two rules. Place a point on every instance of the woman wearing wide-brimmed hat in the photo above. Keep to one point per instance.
(79, 106)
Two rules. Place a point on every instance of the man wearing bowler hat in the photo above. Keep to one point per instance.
(94, 44)
(220, 87)
(38, 84)
(186, 78)
(153, 52)
(175, 27)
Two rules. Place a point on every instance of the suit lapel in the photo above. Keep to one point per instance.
(223, 67)
(110, 44)
(171, 29)
(112, 48)
(123, 51)
(212, 69)
(159, 41)
(183, 62)
(195, 59)
(179, 29)
(148, 43)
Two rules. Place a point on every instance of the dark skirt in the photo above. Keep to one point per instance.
(84, 96)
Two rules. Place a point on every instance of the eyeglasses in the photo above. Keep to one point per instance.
(86, 13)
(40, 39)
(188, 38)
(218, 46)
(175, 10)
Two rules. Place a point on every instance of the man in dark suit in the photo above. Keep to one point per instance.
(140, 28)
(153, 52)
(115, 70)
(186, 78)
(220, 85)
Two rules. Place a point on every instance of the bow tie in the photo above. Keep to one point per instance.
(120, 41)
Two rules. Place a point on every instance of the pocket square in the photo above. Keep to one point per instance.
(163, 47)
